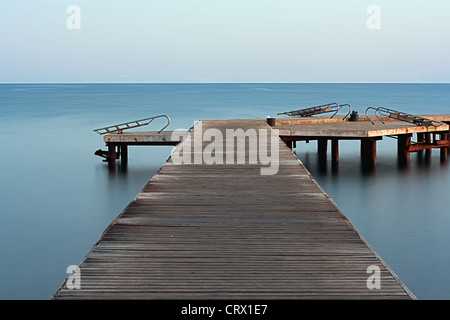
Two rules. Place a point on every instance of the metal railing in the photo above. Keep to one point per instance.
(402, 116)
(326, 108)
(118, 128)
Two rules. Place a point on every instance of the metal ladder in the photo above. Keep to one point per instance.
(118, 128)
(402, 116)
(308, 112)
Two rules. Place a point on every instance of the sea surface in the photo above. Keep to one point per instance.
(57, 197)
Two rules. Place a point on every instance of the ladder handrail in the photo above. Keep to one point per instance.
(376, 109)
(349, 110)
(402, 116)
(325, 108)
(131, 124)
(306, 112)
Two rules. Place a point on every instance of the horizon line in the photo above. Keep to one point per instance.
(100, 82)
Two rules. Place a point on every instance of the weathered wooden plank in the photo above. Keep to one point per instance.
(356, 130)
(164, 137)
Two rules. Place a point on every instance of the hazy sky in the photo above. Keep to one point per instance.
(225, 41)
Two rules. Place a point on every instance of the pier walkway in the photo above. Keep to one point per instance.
(226, 231)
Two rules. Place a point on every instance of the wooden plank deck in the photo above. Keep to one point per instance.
(224, 231)
(362, 118)
(141, 137)
(349, 129)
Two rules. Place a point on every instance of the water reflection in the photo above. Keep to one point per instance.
(424, 158)
(321, 165)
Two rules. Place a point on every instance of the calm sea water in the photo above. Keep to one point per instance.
(57, 197)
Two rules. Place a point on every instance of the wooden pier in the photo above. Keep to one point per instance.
(225, 231)
(322, 129)
(118, 143)
(325, 129)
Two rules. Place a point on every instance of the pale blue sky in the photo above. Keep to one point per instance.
(224, 41)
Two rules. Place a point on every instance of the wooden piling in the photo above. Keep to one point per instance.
(288, 143)
(444, 150)
(322, 146)
(124, 155)
(111, 156)
(448, 138)
(368, 154)
(420, 141)
(420, 137)
(427, 141)
(403, 144)
(118, 152)
(334, 154)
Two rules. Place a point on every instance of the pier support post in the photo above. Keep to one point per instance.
(124, 155)
(403, 144)
(111, 156)
(322, 145)
(118, 152)
(420, 140)
(334, 155)
(368, 154)
(288, 143)
(444, 150)
(448, 138)
(427, 151)
(420, 137)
